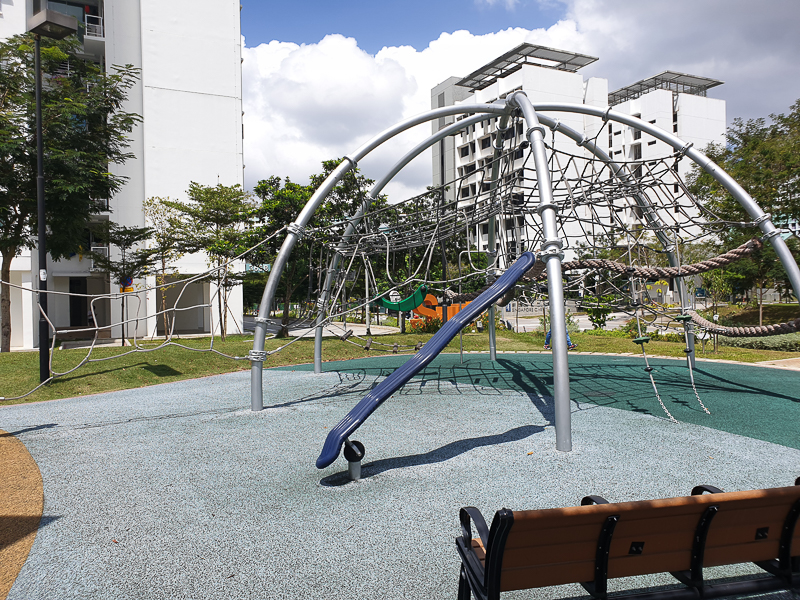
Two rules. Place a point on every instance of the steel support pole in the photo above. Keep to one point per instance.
(356, 219)
(44, 329)
(491, 241)
(551, 253)
(257, 354)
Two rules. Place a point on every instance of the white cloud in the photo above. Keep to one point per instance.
(307, 103)
(509, 4)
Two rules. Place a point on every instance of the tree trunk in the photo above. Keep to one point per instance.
(760, 303)
(163, 293)
(5, 302)
(222, 315)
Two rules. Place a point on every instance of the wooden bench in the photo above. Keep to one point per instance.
(598, 541)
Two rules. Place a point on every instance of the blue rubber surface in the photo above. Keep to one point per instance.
(361, 412)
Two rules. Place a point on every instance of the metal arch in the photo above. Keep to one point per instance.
(642, 202)
(349, 162)
(333, 269)
(745, 200)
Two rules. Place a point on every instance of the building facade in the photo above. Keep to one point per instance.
(190, 100)
(672, 101)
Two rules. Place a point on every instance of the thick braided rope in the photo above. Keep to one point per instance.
(758, 331)
(660, 272)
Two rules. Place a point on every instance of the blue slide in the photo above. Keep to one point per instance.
(356, 417)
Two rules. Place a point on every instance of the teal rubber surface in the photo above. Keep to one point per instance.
(757, 402)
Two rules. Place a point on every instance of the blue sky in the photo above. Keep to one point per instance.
(379, 23)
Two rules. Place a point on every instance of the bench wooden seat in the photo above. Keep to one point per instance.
(598, 541)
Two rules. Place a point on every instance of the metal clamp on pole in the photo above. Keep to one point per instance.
(257, 356)
(354, 454)
(297, 229)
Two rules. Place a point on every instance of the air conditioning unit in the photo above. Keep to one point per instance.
(103, 250)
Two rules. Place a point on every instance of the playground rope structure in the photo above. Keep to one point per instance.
(616, 219)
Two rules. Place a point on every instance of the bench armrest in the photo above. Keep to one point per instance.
(468, 515)
(699, 489)
(588, 500)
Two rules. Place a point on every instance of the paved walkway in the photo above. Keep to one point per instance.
(180, 491)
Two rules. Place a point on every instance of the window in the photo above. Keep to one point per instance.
(653, 143)
(518, 154)
(485, 229)
(470, 168)
(485, 187)
(519, 129)
(653, 122)
(617, 132)
(677, 188)
(464, 151)
(636, 151)
(637, 133)
(465, 191)
(472, 147)
(509, 133)
(486, 142)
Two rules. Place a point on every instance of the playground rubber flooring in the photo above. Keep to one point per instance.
(180, 491)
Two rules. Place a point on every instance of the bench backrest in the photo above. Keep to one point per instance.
(557, 546)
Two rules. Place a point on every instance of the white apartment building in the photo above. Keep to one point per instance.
(673, 101)
(190, 100)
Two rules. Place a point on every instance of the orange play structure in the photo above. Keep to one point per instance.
(430, 308)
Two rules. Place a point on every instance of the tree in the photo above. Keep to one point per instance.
(216, 221)
(134, 259)
(764, 158)
(164, 244)
(281, 202)
(84, 130)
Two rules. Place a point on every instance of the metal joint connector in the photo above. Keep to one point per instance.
(549, 252)
(605, 115)
(544, 206)
(352, 161)
(257, 355)
(264, 320)
(770, 235)
(556, 124)
(584, 141)
(762, 218)
(297, 229)
(682, 152)
(539, 128)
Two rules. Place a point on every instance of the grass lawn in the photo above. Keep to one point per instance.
(773, 313)
(19, 371)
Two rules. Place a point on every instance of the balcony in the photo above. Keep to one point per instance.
(94, 26)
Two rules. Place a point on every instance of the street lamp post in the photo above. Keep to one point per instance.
(57, 26)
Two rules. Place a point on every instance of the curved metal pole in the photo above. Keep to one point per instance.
(354, 221)
(551, 253)
(648, 212)
(257, 354)
(491, 240)
(760, 218)
(359, 214)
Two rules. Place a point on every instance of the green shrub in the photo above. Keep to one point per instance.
(788, 342)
